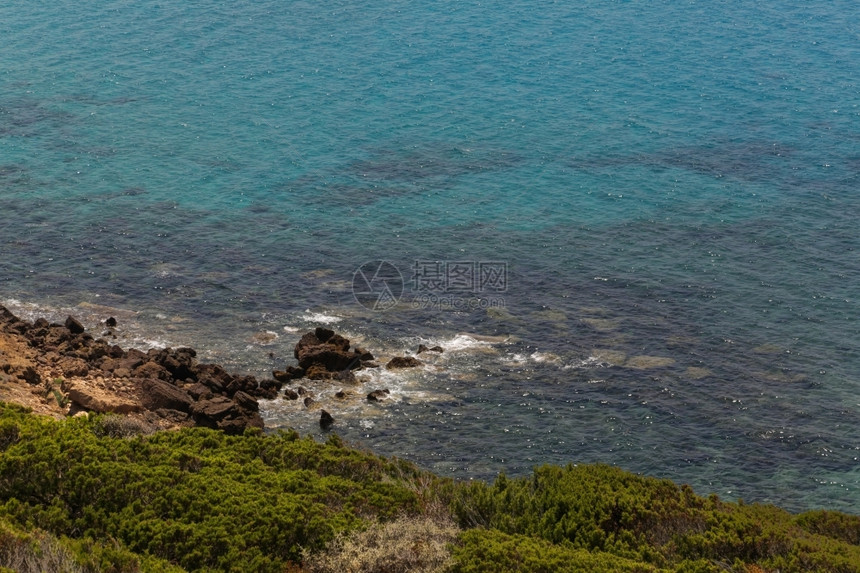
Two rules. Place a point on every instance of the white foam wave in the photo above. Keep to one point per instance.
(319, 317)
(585, 363)
(464, 342)
(545, 357)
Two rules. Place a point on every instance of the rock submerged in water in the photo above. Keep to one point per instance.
(378, 395)
(264, 338)
(326, 420)
(288, 373)
(403, 362)
(423, 348)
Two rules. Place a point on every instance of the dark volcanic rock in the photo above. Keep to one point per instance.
(322, 352)
(318, 372)
(326, 420)
(127, 364)
(157, 394)
(323, 334)
(345, 376)
(338, 342)
(215, 409)
(243, 383)
(110, 322)
(152, 370)
(306, 341)
(199, 391)
(173, 416)
(267, 389)
(288, 373)
(246, 401)
(363, 354)
(291, 394)
(213, 376)
(29, 375)
(378, 395)
(74, 326)
(422, 348)
(235, 426)
(330, 357)
(403, 362)
(180, 363)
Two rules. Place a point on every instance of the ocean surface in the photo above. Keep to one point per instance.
(632, 226)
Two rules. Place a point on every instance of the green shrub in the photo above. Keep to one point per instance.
(491, 551)
(196, 498)
(603, 509)
(100, 494)
(832, 524)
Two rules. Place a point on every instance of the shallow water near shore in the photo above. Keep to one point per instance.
(673, 191)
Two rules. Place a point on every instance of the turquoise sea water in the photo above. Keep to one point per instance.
(673, 188)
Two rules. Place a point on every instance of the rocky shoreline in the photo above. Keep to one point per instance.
(62, 370)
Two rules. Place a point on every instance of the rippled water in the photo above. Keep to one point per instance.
(672, 188)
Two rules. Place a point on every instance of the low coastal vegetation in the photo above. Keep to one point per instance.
(99, 493)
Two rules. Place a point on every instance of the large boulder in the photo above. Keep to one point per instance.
(214, 409)
(213, 376)
(225, 414)
(323, 353)
(306, 341)
(236, 426)
(88, 396)
(74, 326)
(246, 402)
(152, 369)
(156, 394)
(180, 363)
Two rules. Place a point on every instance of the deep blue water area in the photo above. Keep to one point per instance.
(671, 188)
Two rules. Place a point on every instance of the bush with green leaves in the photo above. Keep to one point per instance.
(101, 494)
(603, 509)
(197, 498)
(491, 551)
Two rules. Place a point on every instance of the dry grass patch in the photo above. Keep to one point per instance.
(406, 545)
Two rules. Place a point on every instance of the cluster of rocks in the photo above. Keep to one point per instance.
(326, 355)
(169, 387)
(168, 383)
